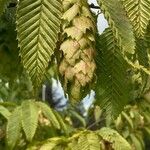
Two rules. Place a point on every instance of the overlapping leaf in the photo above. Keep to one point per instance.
(118, 142)
(4, 112)
(112, 88)
(143, 60)
(38, 24)
(118, 21)
(88, 141)
(29, 117)
(142, 52)
(147, 36)
(49, 114)
(139, 14)
(13, 128)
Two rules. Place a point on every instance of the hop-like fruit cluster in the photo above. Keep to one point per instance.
(77, 64)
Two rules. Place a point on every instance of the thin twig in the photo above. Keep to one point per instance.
(93, 6)
(93, 124)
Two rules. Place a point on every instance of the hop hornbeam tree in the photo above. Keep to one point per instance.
(36, 35)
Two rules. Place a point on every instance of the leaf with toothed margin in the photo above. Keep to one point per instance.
(122, 29)
(38, 24)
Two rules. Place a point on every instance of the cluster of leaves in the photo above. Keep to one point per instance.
(65, 30)
(30, 121)
(133, 123)
(25, 119)
(102, 139)
(123, 54)
(23, 124)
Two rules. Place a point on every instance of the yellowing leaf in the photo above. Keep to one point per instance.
(83, 23)
(71, 13)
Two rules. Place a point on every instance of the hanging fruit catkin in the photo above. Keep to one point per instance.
(77, 64)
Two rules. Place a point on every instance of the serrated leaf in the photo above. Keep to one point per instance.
(117, 141)
(51, 144)
(122, 29)
(139, 14)
(93, 141)
(4, 112)
(113, 85)
(147, 36)
(13, 128)
(143, 59)
(49, 114)
(38, 24)
(29, 117)
(88, 141)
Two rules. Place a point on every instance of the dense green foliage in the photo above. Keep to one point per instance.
(41, 39)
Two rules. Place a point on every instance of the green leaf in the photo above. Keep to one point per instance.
(142, 52)
(38, 25)
(143, 59)
(49, 114)
(117, 141)
(3, 5)
(93, 141)
(147, 36)
(147, 129)
(4, 112)
(122, 29)
(87, 141)
(63, 126)
(128, 119)
(119, 124)
(29, 118)
(78, 117)
(51, 143)
(113, 85)
(136, 142)
(97, 113)
(139, 14)
(13, 128)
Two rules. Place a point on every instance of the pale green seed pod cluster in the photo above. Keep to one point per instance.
(77, 64)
